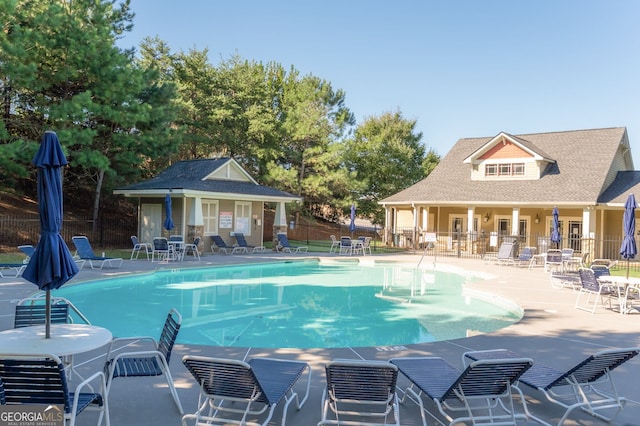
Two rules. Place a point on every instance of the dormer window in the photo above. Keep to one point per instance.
(504, 169)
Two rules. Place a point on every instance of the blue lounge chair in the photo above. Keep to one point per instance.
(360, 392)
(222, 247)
(85, 252)
(580, 386)
(232, 390)
(481, 393)
(41, 379)
(28, 251)
(16, 268)
(242, 242)
(285, 246)
(145, 363)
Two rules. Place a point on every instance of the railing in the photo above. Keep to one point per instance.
(25, 229)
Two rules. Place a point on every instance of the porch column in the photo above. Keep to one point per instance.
(195, 224)
(588, 243)
(416, 232)
(515, 222)
(279, 222)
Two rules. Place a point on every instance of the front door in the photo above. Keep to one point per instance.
(151, 226)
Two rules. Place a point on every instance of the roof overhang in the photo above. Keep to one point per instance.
(185, 193)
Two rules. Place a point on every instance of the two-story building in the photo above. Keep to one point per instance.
(506, 186)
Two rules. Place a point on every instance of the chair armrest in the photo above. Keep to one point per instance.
(86, 383)
(122, 343)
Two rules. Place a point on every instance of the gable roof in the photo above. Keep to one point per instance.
(585, 165)
(525, 145)
(218, 178)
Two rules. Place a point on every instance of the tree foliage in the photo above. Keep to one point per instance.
(386, 155)
(123, 115)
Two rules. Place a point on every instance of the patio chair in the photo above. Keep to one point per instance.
(593, 288)
(35, 314)
(192, 248)
(85, 252)
(232, 390)
(580, 386)
(41, 379)
(222, 247)
(553, 261)
(242, 242)
(346, 247)
(366, 246)
(285, 246)
(481, 394)
(145, 362)
(162, 250)
(335, 244)
(360, 393)
(138, 247)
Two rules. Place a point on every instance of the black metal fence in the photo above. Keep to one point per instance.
(108, 232)
(479, 244)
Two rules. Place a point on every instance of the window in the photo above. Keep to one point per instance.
(243, 217)
(517, 169)
(210, 217)
(504, 169)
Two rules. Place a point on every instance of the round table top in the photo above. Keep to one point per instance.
(65, 339)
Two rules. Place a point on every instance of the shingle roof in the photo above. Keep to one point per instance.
(189, 175)
(583, 160)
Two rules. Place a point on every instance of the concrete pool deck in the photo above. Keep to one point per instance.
(552, 331)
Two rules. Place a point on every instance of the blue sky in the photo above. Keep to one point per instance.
(461, 68)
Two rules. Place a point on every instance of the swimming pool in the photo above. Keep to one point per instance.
(301, 304)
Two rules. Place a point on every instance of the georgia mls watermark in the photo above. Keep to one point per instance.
(32, 415)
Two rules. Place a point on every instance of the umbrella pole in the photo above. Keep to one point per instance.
(628, 260)
(47, 313)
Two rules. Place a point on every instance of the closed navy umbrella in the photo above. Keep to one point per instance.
(352, 225)
(628, 249)
(555, 232)
(168, 222)
(51, 264)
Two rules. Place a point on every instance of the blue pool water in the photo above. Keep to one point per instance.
(302, 304)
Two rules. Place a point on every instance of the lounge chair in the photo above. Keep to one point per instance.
(192, 248)
(593, 288)
(505, 255)
(41, 379)
(360, 393)
(145, 363)
(28, 251)
(242, 242)
(285, 246)
(218, 243)
(481, 394)
(577, 387)
(568, 279)
(138, 247)
(232, 390)
(16, 269)
(85, 252)
(525, 257)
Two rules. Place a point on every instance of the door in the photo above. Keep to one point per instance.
(151, 226)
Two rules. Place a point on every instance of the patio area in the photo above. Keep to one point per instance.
(552, 331)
